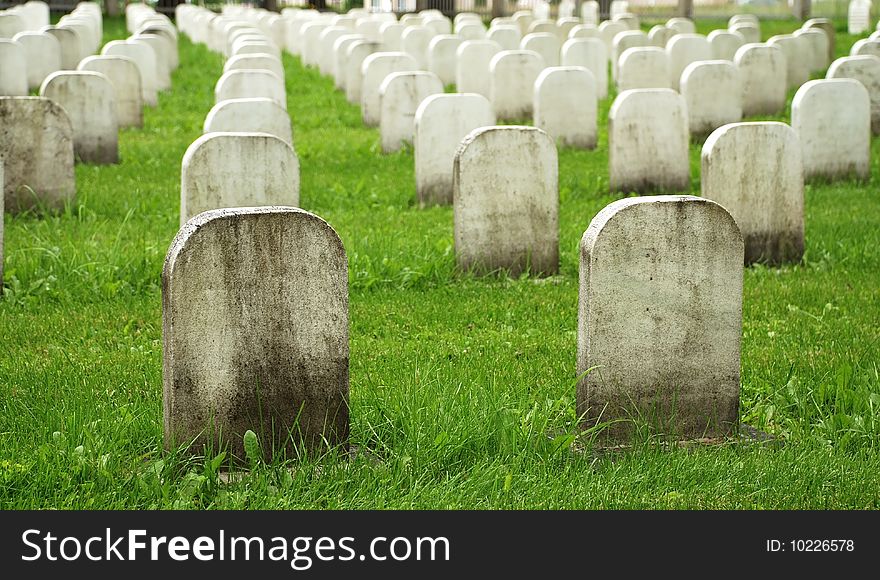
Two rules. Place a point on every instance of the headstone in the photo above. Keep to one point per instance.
(255, 61)
(681, 25)
(472, 66)
(826, 26)
(42, 56)
(816, 42)
(750, 32)
(10, 25)
(835, 139)
(682, 50)
(222, 170)
(754, 170)
(591, 54)
(713, 93)
(762, 72)
(253, 115)
(858, 16)
(546, 44)
(506, 201)
(644, 67)
(36, 147)
(90, 102)
(123, 74)
(145, 59)
(357, 53)
(13, 69)
(622, 42)
(866, 70)
(543, 25)
(565, 105)
(608, 30)
(797, 58)
(585, 31)
(648, 141)
(414, 42)
(374, 69)
(242, 84)
(255, 333)
(659, 35)
(471, 31)
(508, 37)
(441, 122)
(400, 95)
(326, 56)
(163, 57)
(441, 56)
(865, 46)
(512, 75)
(390, 34)
(590, 12)
(666, 351)
(725, 44)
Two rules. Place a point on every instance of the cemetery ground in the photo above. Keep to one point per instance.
(462, 387)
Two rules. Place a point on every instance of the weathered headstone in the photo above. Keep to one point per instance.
(565, 105)
(546, 44)
(750, 32)
(374, 69)
(506, 201)
(866, 70)
(441, 122)
(255, 332)
(762, 72)
(253, 115)
(512, 75)
(36, 146)
(125, 77)
(608, 30)
(681, 25)
(591, 54)
(645, 67)
(659, 35)
(713, 93)
(357, 53)
(797, 58)
(858, 16)
(42, 55)
(400, 95)
(255, 61)
(666, 351)
(472, 66)
(816, 42)
(90, 101)
(242, 84)
(145, 58)
(622, 42)
(13, 69)
(441, 56)
(340, 58)
(827, 26)
(508, 37)
(682, 50)
(648, 141)
(835, 138)
(237, 170)
(414, 42)
(725, 44)
(755, 171)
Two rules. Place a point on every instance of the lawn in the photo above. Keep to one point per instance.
(462, 388)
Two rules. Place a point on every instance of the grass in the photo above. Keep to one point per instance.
(456, 381)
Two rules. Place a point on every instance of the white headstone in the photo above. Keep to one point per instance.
(90, 101)
(357, 53)
(659, 35)
(36, 147)
(441, 56)
(832, 119)
(222, 170)
(817, 45)
(472, 66)
(644, 67)
(725, 44)
(565, 105)
(248, 83)
(713, 93)
(512, 76)
(755, 171)
(255, 61)
(648, 141)
(123, 74)
(508, 37)
(866, 70)
(255, 333)
(506, 201)
(859, 16)
(374, 69)
(682, 50)
(13, 69)
(253, 115)
(145, 59)
(42, 55)
(591, 54)
(660, 318)
(681, 25)
(441, 122)
(797, 58)
(622, 42)
(546, 44)
(750, 32)
(400, 95)
(762, 72)
(414, 41)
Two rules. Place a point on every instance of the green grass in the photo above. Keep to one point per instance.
(462, 389)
